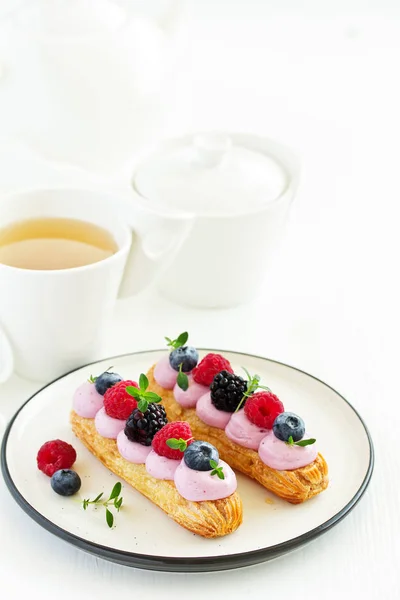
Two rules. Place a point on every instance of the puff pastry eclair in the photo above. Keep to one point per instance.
(208, 519)
(294, 486)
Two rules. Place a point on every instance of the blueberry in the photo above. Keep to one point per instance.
(65, 482)
(288, 424)
(187, 356)
(197, 456)
(105, 381)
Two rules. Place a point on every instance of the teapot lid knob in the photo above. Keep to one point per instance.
(211, 148)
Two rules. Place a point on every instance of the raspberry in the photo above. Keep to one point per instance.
(117, 402)
(208, 368)
(55, 455)
(263, 408)
(177, 430)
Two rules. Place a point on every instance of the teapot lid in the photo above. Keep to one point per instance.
(210, 173)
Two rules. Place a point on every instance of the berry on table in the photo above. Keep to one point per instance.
(198, 455)
(208, 368)
(287, 425)
(65, 482)
(141, 426)
(179, 430)
(262, 408)
(55, 455)
(227, 391)
(118, 403)
(106, 380)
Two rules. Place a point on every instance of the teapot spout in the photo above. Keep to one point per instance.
(156, 239)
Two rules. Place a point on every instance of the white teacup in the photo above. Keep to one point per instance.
(53, 321)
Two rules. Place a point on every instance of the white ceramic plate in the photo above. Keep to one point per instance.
(143, 535)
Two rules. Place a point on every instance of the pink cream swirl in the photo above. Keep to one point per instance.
(210, 415)
(87, 401)
(284, 457)
(201, 485)
(164, 374)
(189, 398)
(243, 432)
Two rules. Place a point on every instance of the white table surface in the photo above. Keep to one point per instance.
(323, 79)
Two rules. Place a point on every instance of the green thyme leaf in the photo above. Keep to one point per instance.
(133, 391)
(305, 442)
(92, 379)
(97, 498)
(143, 382)
(216, 470)
(109, 518)
(176, 444)
(290, 441)
(116, 491)
(143, 405)
(117, 503)
(182, 339)
(182, 379)
(152, 397)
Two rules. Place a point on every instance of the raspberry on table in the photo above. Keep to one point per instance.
(262, 409)
(118, 404)
(208, 367)
(55, 455)
(176, 430)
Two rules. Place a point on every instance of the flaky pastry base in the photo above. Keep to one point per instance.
(294, 486)
(209, 519)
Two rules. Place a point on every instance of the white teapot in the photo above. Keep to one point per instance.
(85, 82)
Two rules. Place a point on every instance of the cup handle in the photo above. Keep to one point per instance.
(156, 239)
(6, 357)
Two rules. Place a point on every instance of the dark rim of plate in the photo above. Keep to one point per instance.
(182, 564)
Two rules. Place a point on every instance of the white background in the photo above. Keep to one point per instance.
(321, 76)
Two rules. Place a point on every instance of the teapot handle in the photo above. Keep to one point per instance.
(156, 239)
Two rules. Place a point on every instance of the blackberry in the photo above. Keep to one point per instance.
(227, 390)
(142, 427)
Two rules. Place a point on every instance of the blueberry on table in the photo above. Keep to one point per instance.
(65, 482)
(288, 425)
(198, 455)
(187, 356)
(106, 380)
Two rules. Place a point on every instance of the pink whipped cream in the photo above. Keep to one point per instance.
(244, 432)
(207, 412)
(188, 398)
(279, 455)
(201, 485)
(164, 374)
(107, 426)
(161, 467)
(87, 401)
(132, 451)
